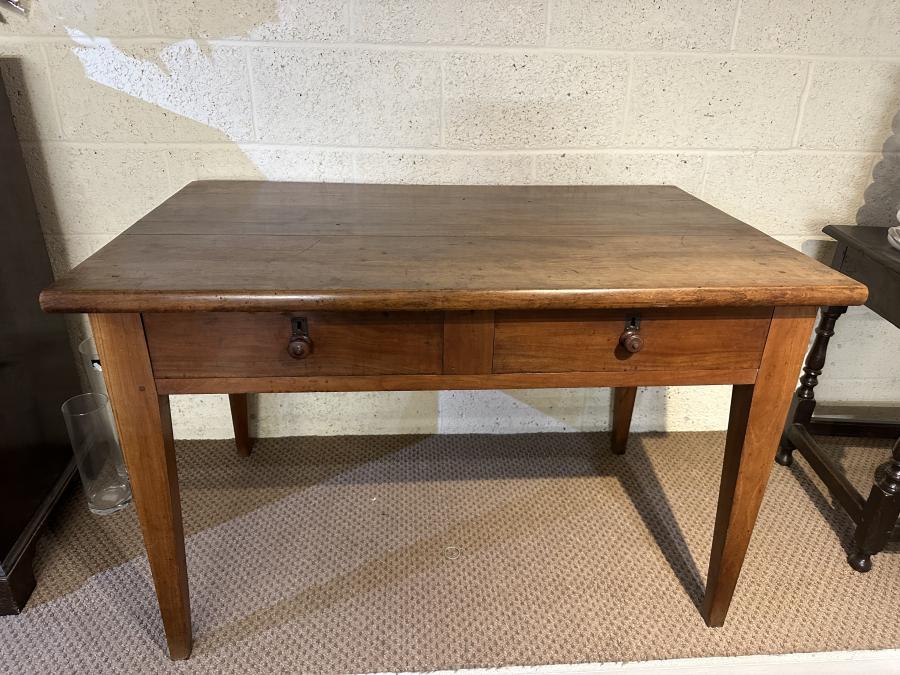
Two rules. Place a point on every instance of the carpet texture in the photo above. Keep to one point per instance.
(361, 554)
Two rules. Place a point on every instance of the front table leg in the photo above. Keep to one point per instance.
(145, 432)
(754, 426)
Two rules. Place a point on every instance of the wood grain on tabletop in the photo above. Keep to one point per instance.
(234, 245)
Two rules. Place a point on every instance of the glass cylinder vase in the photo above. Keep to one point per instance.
(97, 453)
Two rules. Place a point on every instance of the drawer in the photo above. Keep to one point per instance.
(235, 344)
(586, 341)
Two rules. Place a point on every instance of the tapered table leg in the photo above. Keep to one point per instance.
(241, 423)
(754, 427)
(623, 406)
(145, 432)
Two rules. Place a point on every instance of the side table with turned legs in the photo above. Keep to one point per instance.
(864, 254)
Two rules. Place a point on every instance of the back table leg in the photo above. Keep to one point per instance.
(623, 406)
(145, 432)
(241, 423)
(754, 426)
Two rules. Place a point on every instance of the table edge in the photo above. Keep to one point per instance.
(54, 299)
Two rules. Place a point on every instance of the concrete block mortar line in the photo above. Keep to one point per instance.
(629, 86)
(548, 7)
(485, 48)
(443, 102)
(149, 16)
(500, 49)
(167, 167)
(863, 380)
(876, 157)
(734, 25)
(702, 194)
(451, 151)
(253, 119)
(351, 19)
(57, 116)
(804, 96)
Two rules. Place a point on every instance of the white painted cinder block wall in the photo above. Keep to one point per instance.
(776, 111)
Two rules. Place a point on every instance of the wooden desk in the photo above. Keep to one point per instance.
(375, 287)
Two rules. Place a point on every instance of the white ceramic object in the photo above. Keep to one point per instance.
(894, 237)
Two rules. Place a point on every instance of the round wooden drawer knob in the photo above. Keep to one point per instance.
(300, 347)
(631, 340)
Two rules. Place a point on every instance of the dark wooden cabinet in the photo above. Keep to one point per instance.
(37, 373)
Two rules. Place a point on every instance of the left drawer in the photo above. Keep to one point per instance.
(236, 344)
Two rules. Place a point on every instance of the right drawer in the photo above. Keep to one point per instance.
(588, 341)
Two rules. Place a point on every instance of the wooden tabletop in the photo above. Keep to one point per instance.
(253, 245)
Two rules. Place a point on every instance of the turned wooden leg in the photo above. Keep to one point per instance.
(623, 406)
(241, 422)
(754, 425)
(804, 402)
(879, 514)
(145, 432)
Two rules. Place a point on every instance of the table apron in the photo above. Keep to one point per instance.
(274, 385)
(220, 352)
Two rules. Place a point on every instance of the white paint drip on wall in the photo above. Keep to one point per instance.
(185, 79)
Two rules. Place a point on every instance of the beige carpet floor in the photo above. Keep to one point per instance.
(361, 554)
